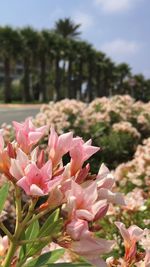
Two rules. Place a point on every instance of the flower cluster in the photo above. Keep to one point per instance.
(136, 171)
(82, 198)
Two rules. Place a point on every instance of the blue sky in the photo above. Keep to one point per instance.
(121, 28)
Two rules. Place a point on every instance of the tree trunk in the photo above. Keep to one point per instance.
(7, 81)
(80, 78)
(26, 81)
(98, 83)
(69, 87)
(57, 79)
(43, 79)
(90, 83)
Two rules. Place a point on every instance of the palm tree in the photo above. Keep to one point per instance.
(99, 65)
(91, 56)
(67, 28)
(44, 55)
(108, 78)
(10, 45)
(123, 71)
(30, 42)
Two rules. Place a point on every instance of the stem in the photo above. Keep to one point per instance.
(10, 254)
(18, 207)
(26, 221)
(36, 240)
(20, 225)
(38, 216)
(5, 230)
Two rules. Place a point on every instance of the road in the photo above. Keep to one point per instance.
(9, 113)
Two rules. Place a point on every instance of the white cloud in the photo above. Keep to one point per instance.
(120, 49)
(84, 19)
(113, 6)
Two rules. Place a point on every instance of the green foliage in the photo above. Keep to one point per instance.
(117, 147)
(3, 195)
(49, 230)
(45, 259)
(31, 232)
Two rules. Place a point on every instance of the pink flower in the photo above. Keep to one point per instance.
(27, 135)
(18, 165)
(38, 182)
(4, 158)
(59, 146)
(130, 237)
(80, 152)
(77, 228)
(82, 202)
(1, 142)
(91, 248)
(105, 181)
(85, 244)
(146, 261)
(4, 244)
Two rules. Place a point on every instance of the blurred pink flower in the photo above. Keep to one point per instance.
(130, 237)
(82, 202)
(38, 182)
(79, 153)
(91, 248)
(27, 135)
(59, 145)
(4, 244)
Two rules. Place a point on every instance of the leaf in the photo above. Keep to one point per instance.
(50, 220)
(46, 258)
(68, 264)
(3, 195)
(50, 231)
(50, 228)
(30, 233)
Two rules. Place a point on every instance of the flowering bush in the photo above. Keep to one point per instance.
(116, 124)
(72, 201)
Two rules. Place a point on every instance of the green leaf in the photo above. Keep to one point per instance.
(67, 265)
(46, 258)
(50, 220)
(30, 233)
(50, 231)
(50, 228)
(3, 195)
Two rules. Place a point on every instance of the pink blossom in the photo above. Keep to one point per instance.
(130, 237)
(4, 158)
(18, 165)
(82, 202)
(27, 135)
(77, 228)
(38, 182)
(1, 142)
(91, 248)
(80, 152)
(4, 244)
(146, 261)
(59, 146)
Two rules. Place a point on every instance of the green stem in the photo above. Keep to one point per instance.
(5, 230)
(20, 225)
(18, 207)
(36, 240)
(10, 254)
(38, 216)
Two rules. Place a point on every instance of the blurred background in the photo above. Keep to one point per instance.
(55, 49)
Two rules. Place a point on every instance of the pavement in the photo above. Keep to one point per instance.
(17, 112)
